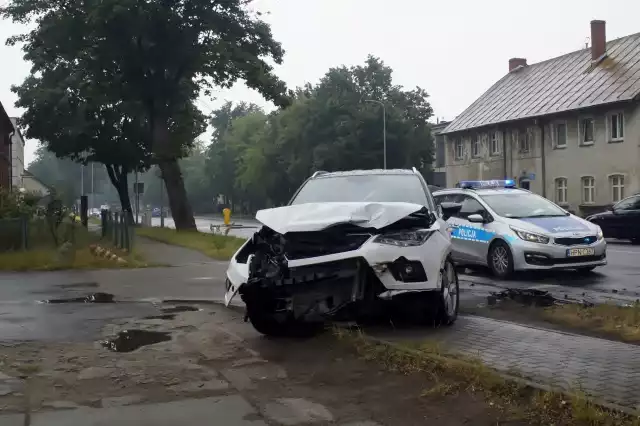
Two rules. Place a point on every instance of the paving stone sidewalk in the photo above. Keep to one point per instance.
(601, 368)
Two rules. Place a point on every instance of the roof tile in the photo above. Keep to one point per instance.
(565, 83)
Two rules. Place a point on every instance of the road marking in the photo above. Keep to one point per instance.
(203, 278)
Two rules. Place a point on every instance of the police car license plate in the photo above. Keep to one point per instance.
(577, 252)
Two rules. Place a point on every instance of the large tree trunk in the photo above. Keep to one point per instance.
(176, 193)
(119, 180)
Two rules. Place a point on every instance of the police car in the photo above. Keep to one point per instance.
(511, 229)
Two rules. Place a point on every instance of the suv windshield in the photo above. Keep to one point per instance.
(367, 188)
(518, 205)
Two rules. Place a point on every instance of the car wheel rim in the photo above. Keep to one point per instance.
(450, 290)
(500, 259)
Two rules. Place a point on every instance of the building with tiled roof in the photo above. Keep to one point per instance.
(6, 131)
(567, 128)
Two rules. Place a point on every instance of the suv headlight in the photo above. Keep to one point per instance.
(531, 237)
(599, 234)
(404, 238)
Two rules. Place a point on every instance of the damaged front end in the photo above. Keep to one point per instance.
(310, 292)
(319, 275)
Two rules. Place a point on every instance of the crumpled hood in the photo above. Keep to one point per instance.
(318, 216)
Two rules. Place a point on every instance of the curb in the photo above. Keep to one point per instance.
(525, 382)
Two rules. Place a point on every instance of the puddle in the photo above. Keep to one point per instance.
(161, 317)
(178, 309)
(130, 340)
(91, 298)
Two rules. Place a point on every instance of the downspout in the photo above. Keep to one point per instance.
(544, 161)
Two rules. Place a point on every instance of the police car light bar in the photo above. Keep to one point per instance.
(478, 184)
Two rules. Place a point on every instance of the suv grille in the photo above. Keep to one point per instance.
(301, 245)
(575, 241)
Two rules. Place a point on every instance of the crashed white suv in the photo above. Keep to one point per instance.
(348, 245)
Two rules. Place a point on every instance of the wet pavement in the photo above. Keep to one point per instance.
(601, 368)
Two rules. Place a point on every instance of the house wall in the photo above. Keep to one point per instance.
(5, 155)
(600, 160)
(31, 184)
(17, 157)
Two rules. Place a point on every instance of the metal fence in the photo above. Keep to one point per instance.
(24, 233)
(116, 227)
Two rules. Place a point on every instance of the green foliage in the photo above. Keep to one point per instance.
(259, 160)
(15, 204)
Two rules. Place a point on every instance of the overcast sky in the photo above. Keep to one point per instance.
(455, 51)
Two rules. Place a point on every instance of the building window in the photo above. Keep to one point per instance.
(525, 140)
(586, 131)
(588, 190)
(440, 160)
(560, 134)
(459, 149)
(495, 143)
(616, 126)
(561, 190)
(617, 187)
(475, 146)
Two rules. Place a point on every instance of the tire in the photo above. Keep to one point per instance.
(448, 300)
(586, 269)
(500, 260)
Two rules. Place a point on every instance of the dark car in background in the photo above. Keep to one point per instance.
(620, 221)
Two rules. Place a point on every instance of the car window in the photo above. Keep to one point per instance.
(631, 203)
(470, 206)
(520, 204)
(446, 198)
(363, 188)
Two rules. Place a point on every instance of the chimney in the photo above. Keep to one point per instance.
(516, 62)
(598, 40)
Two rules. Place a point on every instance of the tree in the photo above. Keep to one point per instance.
(329, 126)
(156, 54)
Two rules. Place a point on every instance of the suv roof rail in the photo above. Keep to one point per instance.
(414, 170)
(318, 173)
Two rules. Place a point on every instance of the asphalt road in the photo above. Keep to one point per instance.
(620, 278)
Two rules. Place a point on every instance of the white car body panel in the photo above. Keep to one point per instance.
(300, 218)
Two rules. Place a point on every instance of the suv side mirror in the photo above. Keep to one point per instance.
(449, 209)
(475, 218)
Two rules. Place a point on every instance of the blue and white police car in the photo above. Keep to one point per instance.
(511, 229)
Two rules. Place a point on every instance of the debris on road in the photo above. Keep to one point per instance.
(529, 297)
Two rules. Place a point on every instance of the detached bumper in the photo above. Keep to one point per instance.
(532, 256)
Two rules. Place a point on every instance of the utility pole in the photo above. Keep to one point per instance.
(161, 201)
(93, 194)
(384, 129)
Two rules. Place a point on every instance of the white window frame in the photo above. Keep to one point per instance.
(459, 149)
(610, 129)
(581, 131)
(557, 189)
(494, 142)
(476, 145)
(591, 188)
(554, 134)
(619, 186)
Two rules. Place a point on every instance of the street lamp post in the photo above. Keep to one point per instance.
(384, 129)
